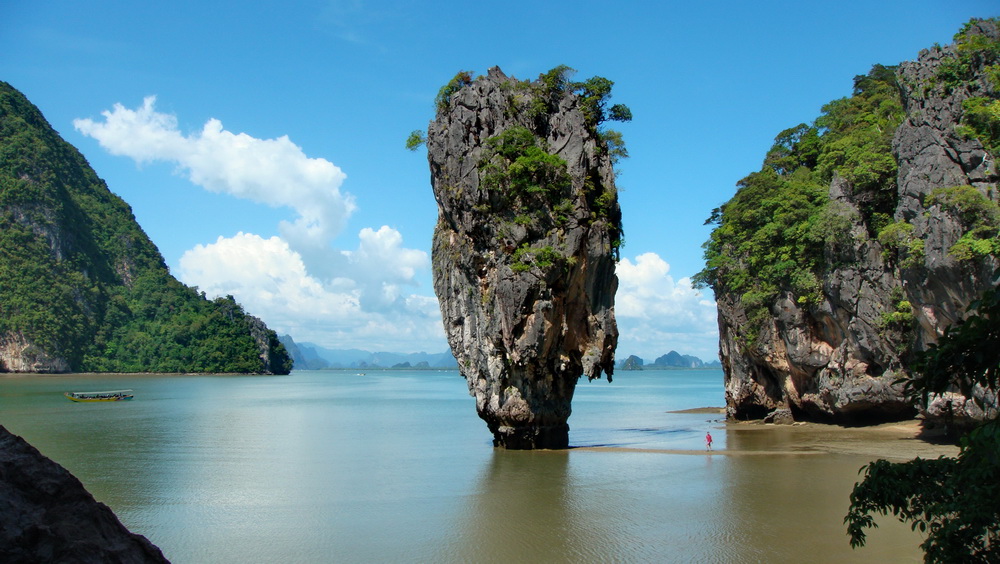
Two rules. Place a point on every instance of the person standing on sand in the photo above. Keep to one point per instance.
(708, 441)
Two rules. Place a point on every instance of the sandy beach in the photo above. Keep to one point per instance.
(897, 441)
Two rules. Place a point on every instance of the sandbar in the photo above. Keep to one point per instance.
(896, 441)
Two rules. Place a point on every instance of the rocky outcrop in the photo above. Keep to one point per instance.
(838, 360)
(46, 515)
(18, 354)
(524, 249)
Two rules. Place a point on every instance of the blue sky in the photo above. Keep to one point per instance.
(260, 144)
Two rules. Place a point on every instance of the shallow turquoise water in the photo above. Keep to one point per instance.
(395, 466)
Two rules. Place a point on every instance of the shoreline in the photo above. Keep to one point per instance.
(897, 441)
(702, 410)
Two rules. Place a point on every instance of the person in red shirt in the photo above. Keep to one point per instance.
(708, 441)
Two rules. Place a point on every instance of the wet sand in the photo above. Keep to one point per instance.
(703, 410)
(897, 441)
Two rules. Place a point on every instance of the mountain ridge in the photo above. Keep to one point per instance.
(84, 289)
(310, 356)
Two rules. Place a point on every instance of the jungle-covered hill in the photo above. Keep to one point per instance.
(864, 235)
(83, 289)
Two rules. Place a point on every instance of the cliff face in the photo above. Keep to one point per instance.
(886, 290)
(523, 251)
(48, 516)
(82, 288)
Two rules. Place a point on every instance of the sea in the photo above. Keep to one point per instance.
(395, 466)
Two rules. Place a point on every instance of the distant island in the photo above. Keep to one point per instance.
(672, 359)
(309, 356)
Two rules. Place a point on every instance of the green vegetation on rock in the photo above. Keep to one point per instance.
(459, 81)
(979, 215)
(80, 281)
(771, 236)
(516, 165)
(976, 53)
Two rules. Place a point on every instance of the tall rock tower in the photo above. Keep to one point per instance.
(525, 245)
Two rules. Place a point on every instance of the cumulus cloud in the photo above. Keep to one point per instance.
(275, 172)
(657, 314)
(299, 283)
(271, 280)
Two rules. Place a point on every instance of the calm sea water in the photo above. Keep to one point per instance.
(395, 466)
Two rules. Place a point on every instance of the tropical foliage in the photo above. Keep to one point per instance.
(772, 234)
(79, 279)
(954, 501)
(525, 181)
(976, 54)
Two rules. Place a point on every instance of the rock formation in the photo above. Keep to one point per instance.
(46, 515)
(836, 360)
(525, 246)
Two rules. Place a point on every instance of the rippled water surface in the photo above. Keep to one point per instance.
(395, 466)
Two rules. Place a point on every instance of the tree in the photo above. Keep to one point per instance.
(955, 501)
(416, 139)
(458, 82)
(594, 94)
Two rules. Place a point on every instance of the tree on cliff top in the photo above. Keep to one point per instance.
(955, 501)
(594, 95)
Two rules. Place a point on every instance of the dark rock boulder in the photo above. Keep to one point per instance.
(524, 249)
(780, 417)
(46, 515)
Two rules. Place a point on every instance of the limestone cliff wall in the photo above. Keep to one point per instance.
(837, 360)
(19, 354)
(525, 274)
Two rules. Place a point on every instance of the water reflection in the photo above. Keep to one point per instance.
(522, 510)
(786, 498)
(396, 467)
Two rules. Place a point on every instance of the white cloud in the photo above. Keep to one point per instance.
(298, 283)
(656, 314)
(271, 281)
(270, 171)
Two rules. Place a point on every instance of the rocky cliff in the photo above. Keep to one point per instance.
(902, 257)
(46, 515)
(525, 246)
(82, 288)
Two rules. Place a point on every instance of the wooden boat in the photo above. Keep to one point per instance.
(112, 395)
